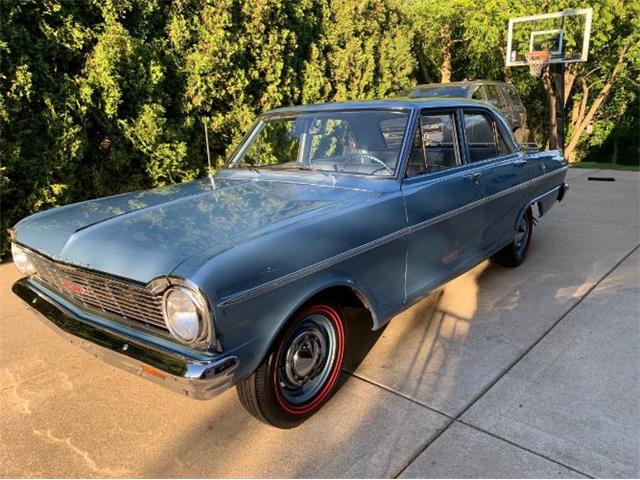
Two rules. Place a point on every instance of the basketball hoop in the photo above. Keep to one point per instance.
(536, 61)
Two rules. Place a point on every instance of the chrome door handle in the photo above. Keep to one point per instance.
(474, 177)
(520, 163)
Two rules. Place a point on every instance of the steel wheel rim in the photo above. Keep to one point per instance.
(522, 235)
(306, 359)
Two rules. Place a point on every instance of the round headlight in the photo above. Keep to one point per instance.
(22, 261)
(184, 313)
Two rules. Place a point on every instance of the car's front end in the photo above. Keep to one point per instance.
(163, 331)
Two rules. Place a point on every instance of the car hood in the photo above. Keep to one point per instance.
(144, 235)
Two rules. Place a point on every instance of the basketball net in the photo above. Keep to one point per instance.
(537, 61)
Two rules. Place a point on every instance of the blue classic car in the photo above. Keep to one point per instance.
(241, 278)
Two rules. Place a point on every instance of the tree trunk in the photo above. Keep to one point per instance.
(423, 66)
(597, 103)
(577, 114)
(551, 100)
(614, 156)
(560, 98)
(445, 68)
(570, 74)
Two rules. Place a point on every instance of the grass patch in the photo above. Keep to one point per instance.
(605, 166)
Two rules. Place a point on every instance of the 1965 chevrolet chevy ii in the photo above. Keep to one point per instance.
(241, 278)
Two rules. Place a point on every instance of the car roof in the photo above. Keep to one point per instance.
(400, 103)
(462, 83)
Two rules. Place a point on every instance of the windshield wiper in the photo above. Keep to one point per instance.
(323, 172)
(312, 169)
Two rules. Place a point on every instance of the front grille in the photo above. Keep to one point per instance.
(102, 292)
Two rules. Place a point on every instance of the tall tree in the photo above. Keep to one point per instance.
(439, 30)
(614, 61)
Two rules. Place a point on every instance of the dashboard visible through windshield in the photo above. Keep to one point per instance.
(363, 142)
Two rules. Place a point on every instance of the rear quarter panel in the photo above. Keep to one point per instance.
(551, 169)
(549, 173)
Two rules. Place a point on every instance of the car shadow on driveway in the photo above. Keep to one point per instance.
(363, 430)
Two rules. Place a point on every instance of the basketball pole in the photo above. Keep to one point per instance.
(558, 74)
(559, 77)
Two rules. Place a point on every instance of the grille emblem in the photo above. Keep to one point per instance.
(73, 287)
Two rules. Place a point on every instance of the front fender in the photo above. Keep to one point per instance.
(255, 324)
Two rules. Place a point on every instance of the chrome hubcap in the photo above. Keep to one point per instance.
(304, 356)
(308, 355)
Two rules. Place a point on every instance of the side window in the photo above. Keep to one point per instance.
(435, 146)
(511, 94)
(481, 142)
(494, 97)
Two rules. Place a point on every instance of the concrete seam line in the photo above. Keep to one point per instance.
(526, 449)
(453, 420)
(491, 384)
(423, 448)
(399, 394)
(543, 336)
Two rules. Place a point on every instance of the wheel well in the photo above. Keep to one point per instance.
(345, 297)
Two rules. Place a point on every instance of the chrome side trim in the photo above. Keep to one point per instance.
(341, 257)
(540, 197)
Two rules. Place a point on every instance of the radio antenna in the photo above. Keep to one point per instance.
(206, 139)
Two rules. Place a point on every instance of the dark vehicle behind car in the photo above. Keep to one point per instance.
(499, 94)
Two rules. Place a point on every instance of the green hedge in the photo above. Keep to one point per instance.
(102, 97)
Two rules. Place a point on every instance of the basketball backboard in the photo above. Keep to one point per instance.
(564, 34)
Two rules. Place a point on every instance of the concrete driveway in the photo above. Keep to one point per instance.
(531, 372)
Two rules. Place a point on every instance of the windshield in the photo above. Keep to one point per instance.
(452, 91)
(363, 142)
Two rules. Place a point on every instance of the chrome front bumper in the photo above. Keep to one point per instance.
(196, 375)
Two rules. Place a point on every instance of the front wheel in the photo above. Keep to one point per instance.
(514, 254)
(301, 371)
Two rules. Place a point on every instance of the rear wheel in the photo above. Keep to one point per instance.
(515, 253)
(301, 371)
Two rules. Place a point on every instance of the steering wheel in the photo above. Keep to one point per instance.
(354, 156)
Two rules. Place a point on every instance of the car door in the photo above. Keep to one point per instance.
(439, 193)
(503, 167)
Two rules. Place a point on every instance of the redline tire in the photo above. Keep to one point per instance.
(313, 342)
